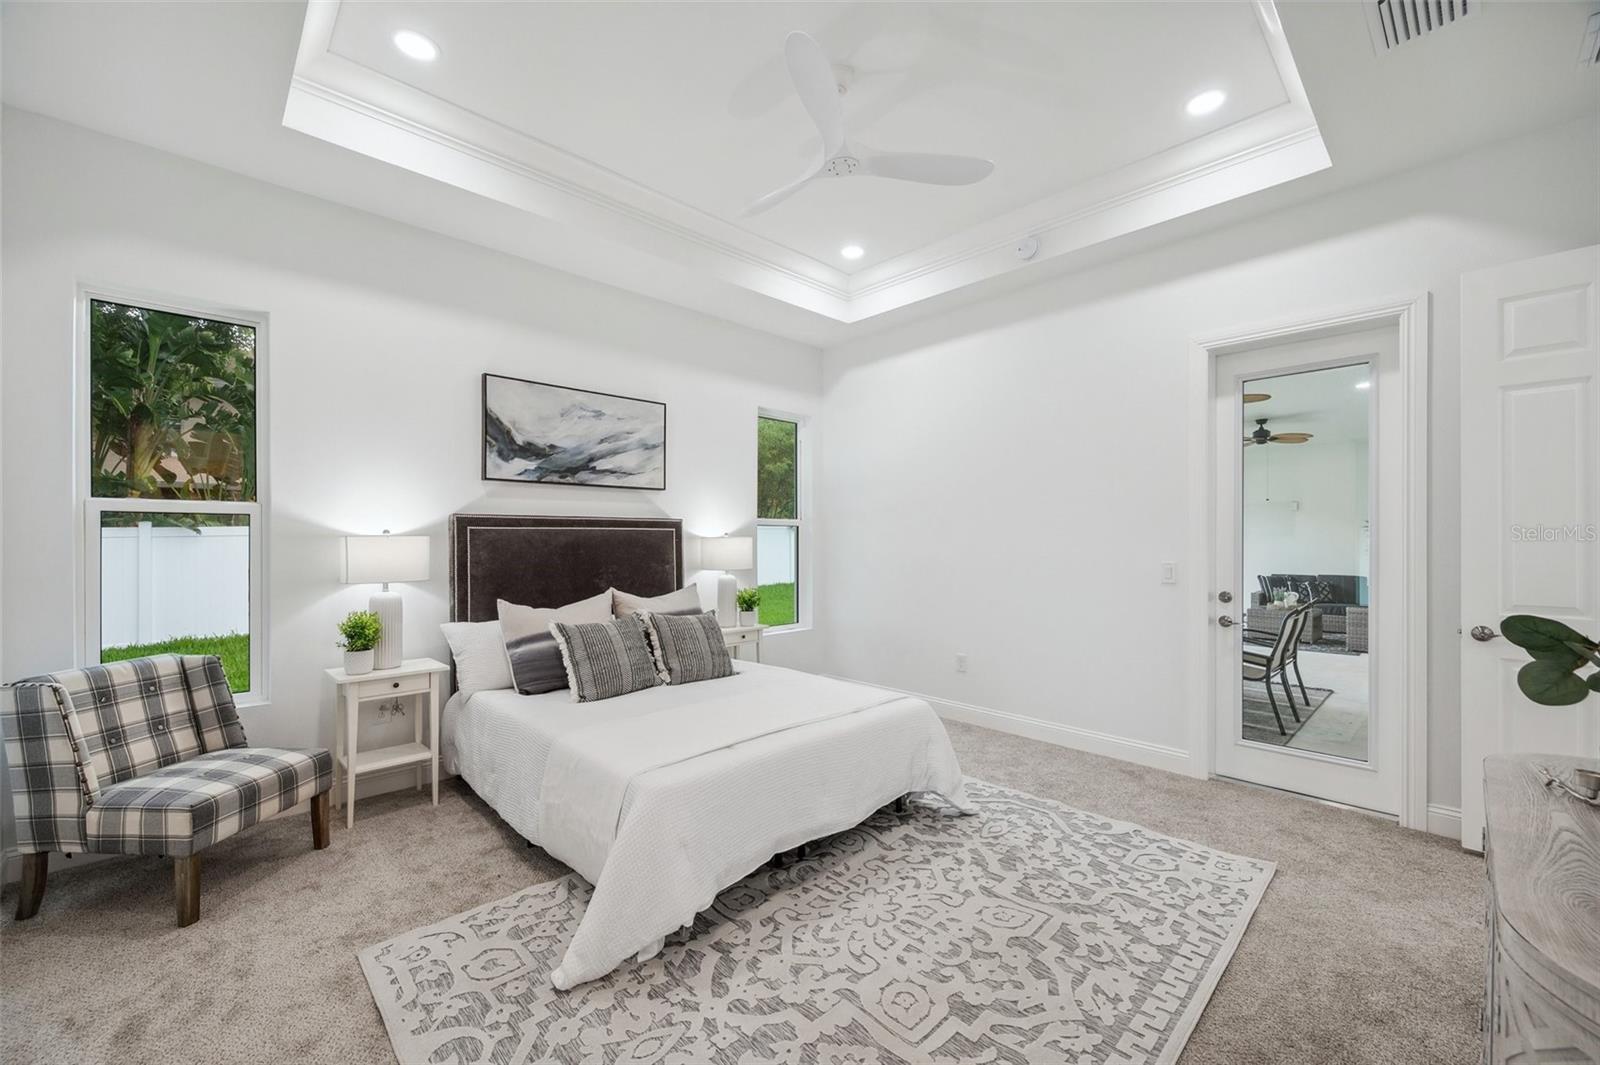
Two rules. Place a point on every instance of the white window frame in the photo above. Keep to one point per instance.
(800, 522)
(90, 507)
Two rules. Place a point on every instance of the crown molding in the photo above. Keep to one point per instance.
(644, 232)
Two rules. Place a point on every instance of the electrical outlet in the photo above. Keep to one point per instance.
(961, 661)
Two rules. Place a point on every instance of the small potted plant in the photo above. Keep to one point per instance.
(360, 629)
(748, 599)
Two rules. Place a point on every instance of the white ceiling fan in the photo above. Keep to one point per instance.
(818, 89)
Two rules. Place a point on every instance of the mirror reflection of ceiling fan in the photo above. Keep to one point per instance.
(1263, 435)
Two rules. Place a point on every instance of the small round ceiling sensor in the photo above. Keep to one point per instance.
(1027, 248)
(1206, 102)
(416, 46)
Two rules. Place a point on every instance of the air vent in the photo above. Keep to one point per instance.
(1591, 41)
(1397, 22)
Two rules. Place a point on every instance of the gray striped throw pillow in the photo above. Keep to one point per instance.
(606, 659)
(689, 647)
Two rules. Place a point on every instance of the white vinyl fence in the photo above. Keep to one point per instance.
(160, 583)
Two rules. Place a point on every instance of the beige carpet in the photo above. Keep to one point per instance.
(1367, 947)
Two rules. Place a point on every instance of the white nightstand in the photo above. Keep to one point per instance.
(415, 676)
(742, 636)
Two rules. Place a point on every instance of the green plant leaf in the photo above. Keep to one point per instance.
(1545, 639)
(1550, 684)
(1594, 682)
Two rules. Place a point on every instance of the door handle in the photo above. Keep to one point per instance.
(1226, 622)
(1483, 633)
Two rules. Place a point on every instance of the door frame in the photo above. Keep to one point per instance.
(1409, 316)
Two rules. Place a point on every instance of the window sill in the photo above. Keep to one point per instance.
(783, 630)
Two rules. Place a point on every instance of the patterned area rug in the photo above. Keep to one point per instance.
(1031, 932)
(1260, 726)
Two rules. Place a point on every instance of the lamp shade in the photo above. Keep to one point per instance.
(727, 552)
(384, 559)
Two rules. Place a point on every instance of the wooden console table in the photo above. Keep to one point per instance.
(1541, 848)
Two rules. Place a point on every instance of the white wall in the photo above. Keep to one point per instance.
(1305, 509)
(378, 335)
(1016, 498)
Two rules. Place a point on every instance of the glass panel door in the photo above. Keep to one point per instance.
(1305, 550)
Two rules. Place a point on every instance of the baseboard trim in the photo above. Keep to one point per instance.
(1444, 820)
(1139, 752)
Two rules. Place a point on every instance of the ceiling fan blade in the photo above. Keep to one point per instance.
(1290, 438)
(778, 195)
(817, 88)
(1256, 397)
(927, 168)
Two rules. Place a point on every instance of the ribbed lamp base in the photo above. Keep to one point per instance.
(727, 610)
(387, 606)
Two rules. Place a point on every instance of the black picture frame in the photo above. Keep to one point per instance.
(485, 444)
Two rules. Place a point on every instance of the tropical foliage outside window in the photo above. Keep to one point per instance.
(173, 474)
(172, 407)
(778, 520)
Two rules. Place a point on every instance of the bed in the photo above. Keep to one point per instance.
(663, 797)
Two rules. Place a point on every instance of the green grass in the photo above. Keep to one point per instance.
(233, 649)
(777, 605)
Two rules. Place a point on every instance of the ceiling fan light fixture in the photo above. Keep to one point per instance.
(852, 251)
(1206, 102)
(414, 45)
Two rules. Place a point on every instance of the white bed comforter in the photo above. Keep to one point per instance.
(663, 798)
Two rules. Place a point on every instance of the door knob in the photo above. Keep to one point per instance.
(1226, 622)
(1483, 633)
(1224, 596)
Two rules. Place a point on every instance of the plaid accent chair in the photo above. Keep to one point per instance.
(145, 756)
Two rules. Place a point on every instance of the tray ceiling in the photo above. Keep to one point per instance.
(650, 126)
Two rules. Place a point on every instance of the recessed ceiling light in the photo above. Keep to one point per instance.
(415, 45)
(852, 251)
(1206, 102)
(1363, 384)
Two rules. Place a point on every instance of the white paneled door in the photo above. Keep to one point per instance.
(1530, 478)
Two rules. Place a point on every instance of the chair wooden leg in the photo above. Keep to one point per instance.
(319, 819)
(31, 889)
(902, 805)
(186, 888)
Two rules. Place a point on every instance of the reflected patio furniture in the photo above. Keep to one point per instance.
(1274, 665)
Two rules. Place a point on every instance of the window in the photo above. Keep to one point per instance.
(778, 519)
(172, 499)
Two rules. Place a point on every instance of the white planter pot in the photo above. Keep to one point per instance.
(357, 662)
(747, 618)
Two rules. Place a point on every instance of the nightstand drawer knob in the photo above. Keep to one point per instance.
(396, 684)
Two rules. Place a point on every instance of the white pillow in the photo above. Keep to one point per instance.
(480, 653)
(682, 601)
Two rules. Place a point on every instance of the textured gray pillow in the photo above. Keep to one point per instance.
(607, 659)
(682, 601)
(689, 648)
(535, 659)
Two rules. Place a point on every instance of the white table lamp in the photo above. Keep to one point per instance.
(727, 553)
(385, 560)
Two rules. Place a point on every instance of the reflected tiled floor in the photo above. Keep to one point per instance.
(1339, 728)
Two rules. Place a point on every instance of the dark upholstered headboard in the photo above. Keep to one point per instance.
(548, 562)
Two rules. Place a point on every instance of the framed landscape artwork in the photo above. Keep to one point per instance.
(537, 433)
